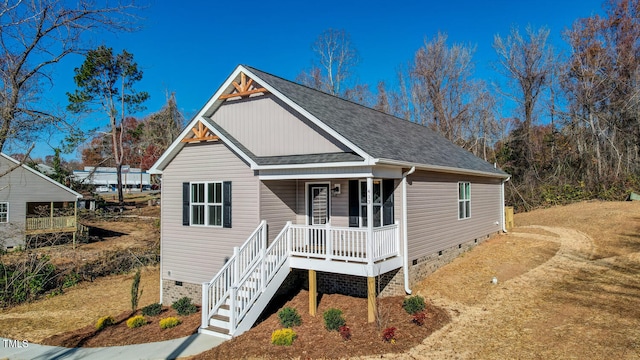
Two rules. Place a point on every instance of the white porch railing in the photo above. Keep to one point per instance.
(346, 244)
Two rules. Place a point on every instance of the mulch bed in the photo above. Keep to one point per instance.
(314, 341)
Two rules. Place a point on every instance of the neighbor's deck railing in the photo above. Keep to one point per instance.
(51, 223)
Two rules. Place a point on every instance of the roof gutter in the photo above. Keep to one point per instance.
(405, 236)
(444, 169)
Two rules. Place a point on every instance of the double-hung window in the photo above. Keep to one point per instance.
(464, 200)
(206, 204)
(4, 212)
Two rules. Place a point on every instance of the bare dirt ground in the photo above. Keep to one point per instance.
(568, 287)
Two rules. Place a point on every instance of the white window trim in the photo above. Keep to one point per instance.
(206, 204)
(467, 215)
(7, 212)
(361, 204)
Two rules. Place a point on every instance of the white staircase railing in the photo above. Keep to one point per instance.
(245, 276)
(256, 279)
(215, 292)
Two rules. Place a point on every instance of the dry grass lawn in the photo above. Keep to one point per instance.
(77, 307)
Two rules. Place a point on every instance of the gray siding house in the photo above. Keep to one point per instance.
(32, 203)
(272, 180)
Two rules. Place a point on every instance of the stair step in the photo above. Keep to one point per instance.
(220, 317)
(215, 331)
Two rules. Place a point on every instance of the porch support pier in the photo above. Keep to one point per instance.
(371, 299)
(313, 293)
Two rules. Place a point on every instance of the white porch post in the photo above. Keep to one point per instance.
(370, 220)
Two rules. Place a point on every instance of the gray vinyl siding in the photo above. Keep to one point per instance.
(432, 206)
(277, 204)
(195, 253)
(269, 127)
(18, 188)
(339, 215)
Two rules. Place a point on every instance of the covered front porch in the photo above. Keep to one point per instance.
(347, 224)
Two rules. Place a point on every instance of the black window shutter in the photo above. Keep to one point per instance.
(387, 205)
(354, 204)
(185, 204)
(226, 204)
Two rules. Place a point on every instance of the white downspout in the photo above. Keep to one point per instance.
(502, 216)
(405, 236)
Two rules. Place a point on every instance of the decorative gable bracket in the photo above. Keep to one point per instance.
(245, 88)
(201, 133)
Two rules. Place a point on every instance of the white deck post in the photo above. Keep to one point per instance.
(328, 247)
(263, 255)
(205, 305)
(370, 220)
(397, 236)
(288, 237)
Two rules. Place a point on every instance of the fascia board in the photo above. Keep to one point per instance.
(310, 165)
(443, 169)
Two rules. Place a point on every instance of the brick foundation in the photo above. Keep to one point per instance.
(172, 291)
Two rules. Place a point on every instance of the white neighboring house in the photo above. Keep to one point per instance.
(23, 190)
(105, 178)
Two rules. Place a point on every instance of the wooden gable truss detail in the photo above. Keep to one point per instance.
(201, 133)
(243, 89)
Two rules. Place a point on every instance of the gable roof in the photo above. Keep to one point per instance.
(27, 168)
(374, 137)
(383, 136)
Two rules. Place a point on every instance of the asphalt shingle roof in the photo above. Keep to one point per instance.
(378, 134)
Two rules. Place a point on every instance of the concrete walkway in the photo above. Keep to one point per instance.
(171, 349)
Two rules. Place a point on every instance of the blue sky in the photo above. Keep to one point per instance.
(190, 47)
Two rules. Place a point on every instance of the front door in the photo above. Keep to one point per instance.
(318, 212)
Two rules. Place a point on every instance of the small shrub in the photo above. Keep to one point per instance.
(136, 321)
(135, 292)
(419, 318)
(169, 322)
(413, 304)
(289, 317)
(389, 335)
(104, 321)
(152, 310)
(345, 332)
(283, 337)
(333, 319)
(184, 306)
(70, 280)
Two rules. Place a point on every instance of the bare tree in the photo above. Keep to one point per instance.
(333, 69)
(34, 36)
(603, 92)
(527, 63)
(160, 129)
